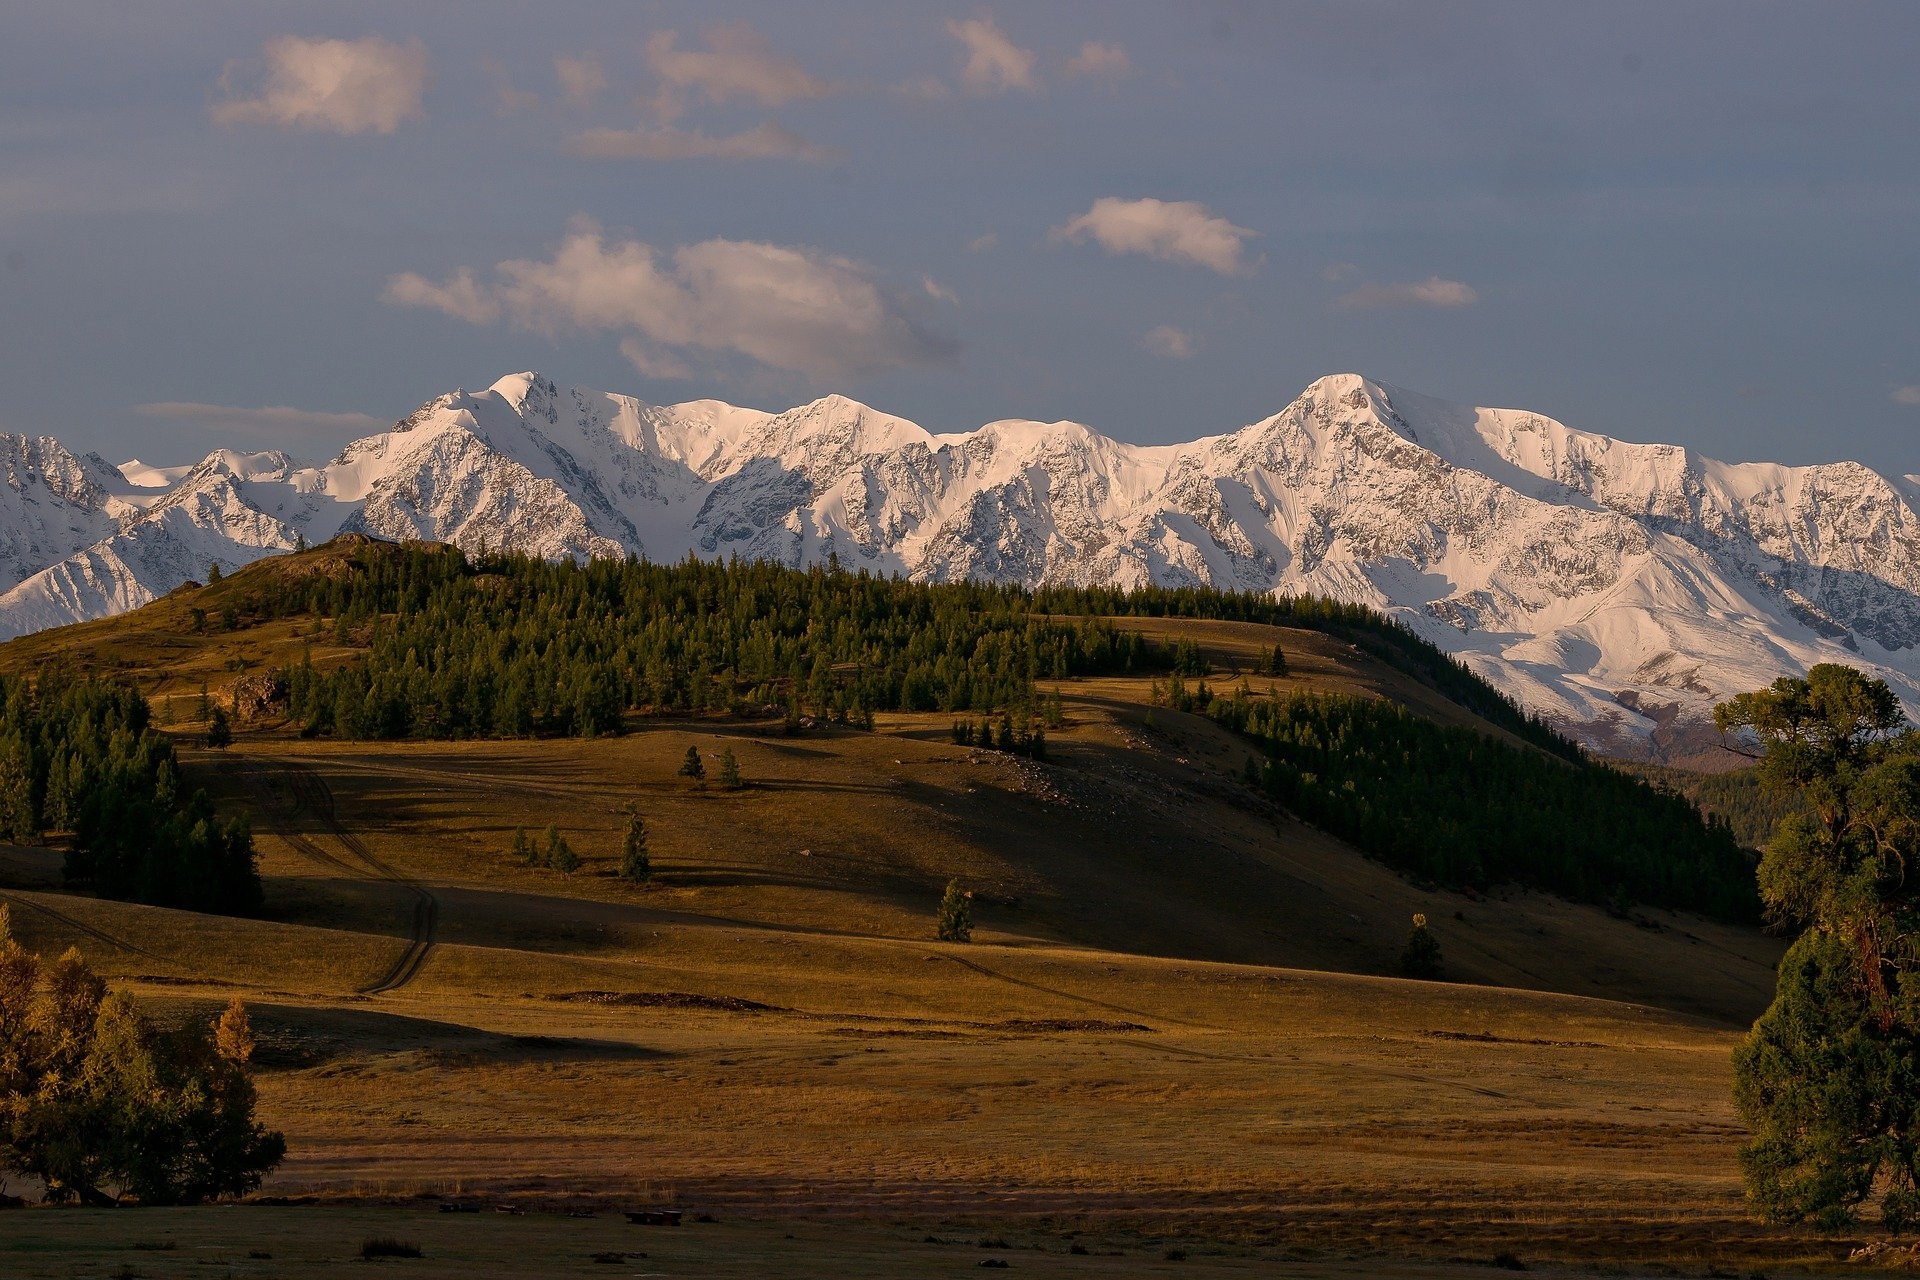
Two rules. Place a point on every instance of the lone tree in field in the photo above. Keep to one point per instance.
(730, 770)
(1421, 959)
(522, 848)
(691, 766)
(956, 914)
(635, 864)
(101, 1106)
(1828, 1081)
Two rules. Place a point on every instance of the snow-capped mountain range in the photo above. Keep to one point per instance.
(1619, 589)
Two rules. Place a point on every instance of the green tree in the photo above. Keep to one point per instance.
(99, 1105)
(213, 573)
(636, 864)
(955, 918)
(691, 766)
(522, 849)
(560, 854)
(1421, 959)
(18, 821)
(1828, 1080)
(729, 770)
(219, 730)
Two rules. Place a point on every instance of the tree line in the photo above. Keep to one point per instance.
(513, 646)
(1456, 807)
(81, 756)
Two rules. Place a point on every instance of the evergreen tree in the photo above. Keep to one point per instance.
(522, 850)
(213, 573)
(17, 820)
(219, 730)
(955, 920)
(636, 864)
(1421, 959)
(560, 854)
(729, 770)
(1828, 1081)
(691, 766)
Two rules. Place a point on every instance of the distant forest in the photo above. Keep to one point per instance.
(1457, 807)
(1736, 797)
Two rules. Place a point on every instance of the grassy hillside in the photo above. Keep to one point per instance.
(1173, 1021)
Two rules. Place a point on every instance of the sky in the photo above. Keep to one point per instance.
(284, 225)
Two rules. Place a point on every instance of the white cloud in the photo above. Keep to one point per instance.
(651, 362)
(1170, 230)
(1431, 292)
(767, 142)
(461, 297)
(1097, 58)
(981, 244)
(332, 86)
(581, 79)
(790, 308)
(275, 423)
(1906, 395)
(507, 99)
(738, 62)
(994, 64)
(1174, 344)
(938, 292)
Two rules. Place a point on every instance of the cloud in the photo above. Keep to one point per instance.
(1431, 292)
(1175, 344)
(785, 307)
(738, 62)
(651, 362)
(332, 86)
(1095, 58)
(1334, 272)
(981, 244)
(274, 423)
(1906, 395)
(1170, 230)
(581, 79)
(994, 64)
(461, 297)
(507, 99)
(768, 142)
(938, 292)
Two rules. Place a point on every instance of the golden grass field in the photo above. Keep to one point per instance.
(1170, 1033)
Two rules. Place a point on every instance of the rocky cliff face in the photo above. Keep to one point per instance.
(1617, 588)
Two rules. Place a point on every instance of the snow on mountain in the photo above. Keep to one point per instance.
(1619, 589)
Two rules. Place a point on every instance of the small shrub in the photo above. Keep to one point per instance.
(388, 1247)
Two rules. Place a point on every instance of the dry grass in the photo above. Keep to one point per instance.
(1166, 1035)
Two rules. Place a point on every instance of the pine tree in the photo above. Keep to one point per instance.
(729, 770)
(18, 822)
(955, 920)
(213, 573)
(522, 850)
(1828, 1080)
(560, 854)
(219, 730)
(691, 766)
(635, 863)
(1421, 959)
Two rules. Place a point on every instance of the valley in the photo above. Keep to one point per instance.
(1174, 1029)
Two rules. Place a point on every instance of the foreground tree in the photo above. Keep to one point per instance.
(1828, 1081)
(100, 1105)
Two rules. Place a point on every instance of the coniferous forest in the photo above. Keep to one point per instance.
(505, 645)
(80, 756)
(1456, 807)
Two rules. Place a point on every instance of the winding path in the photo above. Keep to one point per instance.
(308, 792)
